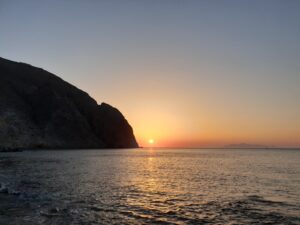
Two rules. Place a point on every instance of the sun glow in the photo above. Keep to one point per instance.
(151, 141)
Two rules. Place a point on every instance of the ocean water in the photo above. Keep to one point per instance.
(144, 186)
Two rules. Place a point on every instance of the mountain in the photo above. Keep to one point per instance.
(245, 145)
(39, 110)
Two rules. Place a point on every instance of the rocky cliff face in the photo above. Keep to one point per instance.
(39, 110)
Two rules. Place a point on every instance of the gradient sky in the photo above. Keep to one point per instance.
(185, 73)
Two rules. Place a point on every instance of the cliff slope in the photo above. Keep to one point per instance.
(39, 110)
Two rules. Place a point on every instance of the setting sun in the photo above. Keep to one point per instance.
(151, 141)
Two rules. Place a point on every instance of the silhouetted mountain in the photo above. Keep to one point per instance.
(39, 110)
(244, 145)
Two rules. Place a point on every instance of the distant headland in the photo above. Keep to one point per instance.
(39, 110)
(246, 145)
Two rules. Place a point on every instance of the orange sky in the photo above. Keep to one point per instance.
(180, 115)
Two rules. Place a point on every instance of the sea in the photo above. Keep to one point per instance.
(150, 186)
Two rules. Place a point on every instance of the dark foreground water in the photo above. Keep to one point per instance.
(150, 187)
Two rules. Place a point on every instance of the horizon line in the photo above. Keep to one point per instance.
(287, 148)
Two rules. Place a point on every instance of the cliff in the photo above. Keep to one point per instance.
(39, 110)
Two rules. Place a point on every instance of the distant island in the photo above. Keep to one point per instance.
(245, 145)
(39, 110)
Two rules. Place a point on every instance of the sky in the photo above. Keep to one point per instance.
(184, 73)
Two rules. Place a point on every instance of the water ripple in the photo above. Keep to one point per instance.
(142, 187)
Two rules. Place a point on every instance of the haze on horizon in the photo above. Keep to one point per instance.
(184, 73)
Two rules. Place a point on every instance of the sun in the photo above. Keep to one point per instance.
(151, 141)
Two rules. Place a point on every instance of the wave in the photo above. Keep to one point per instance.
(6, 189)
